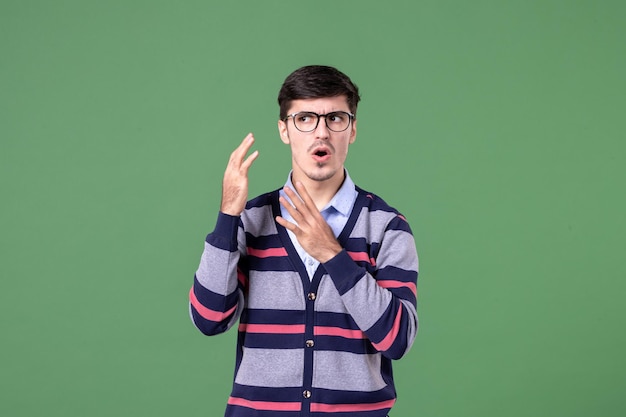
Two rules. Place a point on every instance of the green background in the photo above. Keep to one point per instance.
(496, 127)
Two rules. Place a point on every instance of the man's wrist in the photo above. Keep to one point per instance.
(330, 254)
(230, 211)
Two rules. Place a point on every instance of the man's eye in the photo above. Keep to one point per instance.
(305, 118)
(336, 117)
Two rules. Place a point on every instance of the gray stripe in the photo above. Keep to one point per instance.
(413, 324)
(241, 241)
(328, 298)
(271, 368)
(259, 221)
(347, 371)
(367, 301)
(218, 270)
(403, 255)
(275, 290)
(371, 224)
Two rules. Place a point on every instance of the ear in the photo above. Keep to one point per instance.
(353, 131)
(284, 134)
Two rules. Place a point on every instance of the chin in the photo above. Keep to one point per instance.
(322, 174)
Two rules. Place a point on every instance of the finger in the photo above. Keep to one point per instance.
(299, 211)
(293, 211)
(249, 160)
(286, 224)
(240, 152)
(304, 194)
(306, 199)
(296, 201)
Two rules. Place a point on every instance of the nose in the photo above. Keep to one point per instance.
(321, 131)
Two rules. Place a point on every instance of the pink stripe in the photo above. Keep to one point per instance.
(338, 331)
(267, 253)
(402, 217)
(272, 328)
(348, 408)
(398, 284)
(391, 336)
(207, 313)
(265, 405)
(362, 256)
(241, 277)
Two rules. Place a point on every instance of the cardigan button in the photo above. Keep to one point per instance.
(306, 394)
(311, 296)
(310, 343)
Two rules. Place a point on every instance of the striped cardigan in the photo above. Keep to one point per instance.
(320, 347)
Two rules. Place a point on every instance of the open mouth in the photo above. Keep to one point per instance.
(321, 155)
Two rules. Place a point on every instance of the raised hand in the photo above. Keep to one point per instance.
(313, 233)
(235, 183)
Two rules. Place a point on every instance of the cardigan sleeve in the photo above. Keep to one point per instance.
(382, 302)
(216, 297)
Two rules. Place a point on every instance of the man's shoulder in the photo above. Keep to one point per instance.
(374, 202)
(384, 213)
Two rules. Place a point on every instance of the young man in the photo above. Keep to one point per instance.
(321, 274)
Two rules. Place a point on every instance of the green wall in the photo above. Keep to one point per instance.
(496, 127)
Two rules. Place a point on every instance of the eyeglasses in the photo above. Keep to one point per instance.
(307, 121)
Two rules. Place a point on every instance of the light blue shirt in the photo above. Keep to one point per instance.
(336, 214)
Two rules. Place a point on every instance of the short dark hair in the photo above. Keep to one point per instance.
(317, 81)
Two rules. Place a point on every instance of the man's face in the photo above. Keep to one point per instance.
(318, 155)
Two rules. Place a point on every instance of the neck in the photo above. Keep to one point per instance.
(321, 191)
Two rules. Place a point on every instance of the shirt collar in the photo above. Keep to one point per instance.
(343, 200)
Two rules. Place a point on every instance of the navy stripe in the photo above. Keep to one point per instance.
(328, 396)
(235, 411)
(375, 203)
(273, 341)
(381, 328)
(262, 316)
(273, 264)
(345, 321)
(284, 394)
(392, 273)
(383, 325)
(396, 274)
(261, 201)
(374, 249)
(399, 224)
(208, 327)
(341, 344)
(404, 293)
(357, 244)
(377, 413)
(214, 301)
(263, 242)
